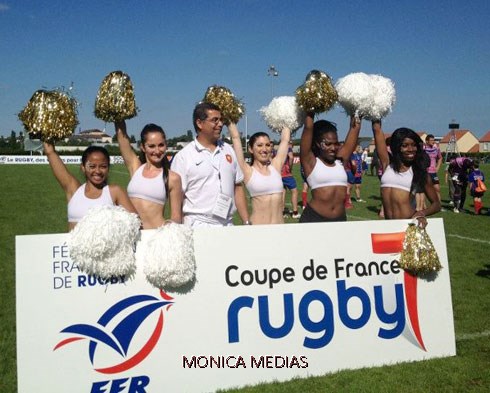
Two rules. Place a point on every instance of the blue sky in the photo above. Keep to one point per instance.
(436, 52)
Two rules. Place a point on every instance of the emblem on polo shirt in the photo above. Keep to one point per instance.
(229, 159)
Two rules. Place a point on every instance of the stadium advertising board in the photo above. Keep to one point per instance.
(36, 159)
(270, 303)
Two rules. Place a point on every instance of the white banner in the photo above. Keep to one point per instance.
(35, 159)
(270, 303)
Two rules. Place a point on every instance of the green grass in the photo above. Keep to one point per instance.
(31, 202)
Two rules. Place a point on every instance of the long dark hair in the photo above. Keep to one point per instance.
(251, 142)
(419, 164)
(320, 128)
(165, 162)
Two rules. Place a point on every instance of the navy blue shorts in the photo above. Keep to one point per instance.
(289, 182)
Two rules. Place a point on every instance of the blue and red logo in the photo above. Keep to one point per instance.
(116, 329)
(392, 307)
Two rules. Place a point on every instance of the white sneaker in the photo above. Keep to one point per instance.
(297, 215)
(456, 210)
(451, 203)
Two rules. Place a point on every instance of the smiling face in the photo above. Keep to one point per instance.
(408, 150)
(96, 169)
(261, 150)
(328, 147)
(154, 147)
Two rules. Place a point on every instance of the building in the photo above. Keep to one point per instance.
(92, 136)
(466, 142)
(484, 143)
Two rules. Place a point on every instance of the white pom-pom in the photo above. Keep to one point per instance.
(169, 261)
(369, 96)
(384, 97)
(355, 93)
(283, 112)
(102, 243)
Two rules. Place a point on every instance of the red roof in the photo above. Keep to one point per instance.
(485, 138)
(458, 133)
(475, 148)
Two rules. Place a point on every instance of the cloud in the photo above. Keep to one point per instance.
(4, 7)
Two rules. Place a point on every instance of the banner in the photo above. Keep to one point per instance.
(270, 303)
(36, 159)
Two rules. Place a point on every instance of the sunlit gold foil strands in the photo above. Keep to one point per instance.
(115, 99)
(419, 255)
(50, 115)
(317, 94)
(232, 109)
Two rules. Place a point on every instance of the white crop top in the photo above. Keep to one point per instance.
(401, 180)
(79, 204)
(324, 176)
(150, 189)
(260, 184)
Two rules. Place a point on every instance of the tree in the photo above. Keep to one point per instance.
(13, 140)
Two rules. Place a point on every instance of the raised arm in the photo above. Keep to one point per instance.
(68, 182)
(380, 143)
(306, 154)
(345, 152)
(237, 146)
(130, 158)
(282, 150)
(175, 196)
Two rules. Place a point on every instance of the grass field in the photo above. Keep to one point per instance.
(31, 202)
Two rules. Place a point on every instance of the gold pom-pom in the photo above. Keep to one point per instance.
(232, 109)
(317, 94)
(419, 256)
(50, 115)
(115, 98)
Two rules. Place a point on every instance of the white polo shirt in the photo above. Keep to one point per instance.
(204, 175)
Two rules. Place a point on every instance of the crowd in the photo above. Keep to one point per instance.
(205, 183)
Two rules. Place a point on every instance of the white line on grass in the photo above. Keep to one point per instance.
(472, 336)
(468, 238)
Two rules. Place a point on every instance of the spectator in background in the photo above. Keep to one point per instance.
(350, 182)
(448, 181)
(435, 163)
(289, 183)
(458, 169)
(373, 168)
(476, 178)
(365, 154)
(357, 170)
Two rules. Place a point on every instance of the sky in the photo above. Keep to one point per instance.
(437, 53)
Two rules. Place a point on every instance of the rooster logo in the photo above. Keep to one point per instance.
(123, 326)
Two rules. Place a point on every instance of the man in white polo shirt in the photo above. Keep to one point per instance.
(211, 177)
